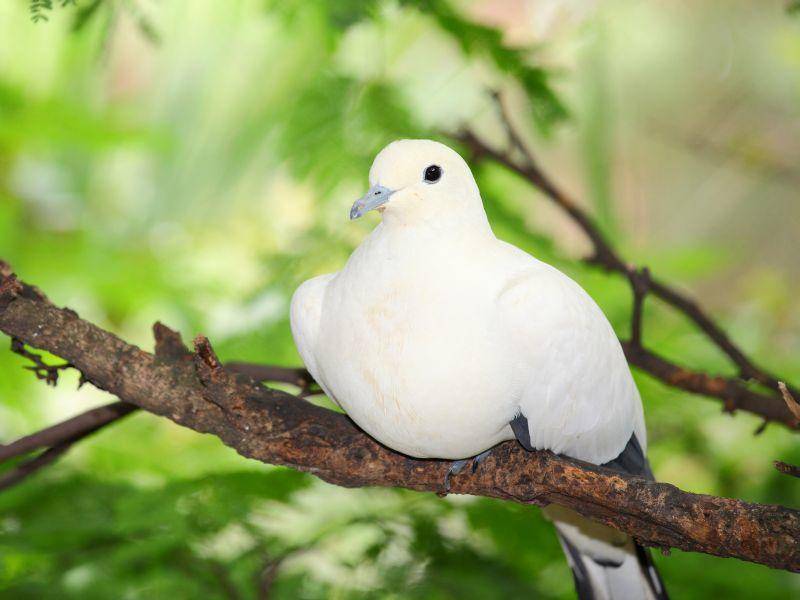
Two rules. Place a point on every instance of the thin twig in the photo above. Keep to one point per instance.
(514, 139)
(267, 577)
(266, 373)
(29, 467)
(56, 439)
(640, 284)
(786, 468)
(43, 371)
(89, 421)
(791, 403)
(604, 253)
(762, 427)
(733, 393)
(67, 433)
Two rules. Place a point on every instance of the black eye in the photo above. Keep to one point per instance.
(433, 174)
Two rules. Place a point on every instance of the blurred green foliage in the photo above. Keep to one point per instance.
(194, 161)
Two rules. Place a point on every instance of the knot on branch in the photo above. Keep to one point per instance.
(208, 365)
(10, 286)
(169, 344)
(220, 387)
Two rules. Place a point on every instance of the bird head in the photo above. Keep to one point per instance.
(417, 181)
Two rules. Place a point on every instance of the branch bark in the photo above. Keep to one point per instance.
(57, 440)
(29, 467)
(72, 429)
(196, 391)
(733, 392)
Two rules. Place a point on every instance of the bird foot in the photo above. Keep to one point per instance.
(476, 462)
(455, 468)
(458, 465)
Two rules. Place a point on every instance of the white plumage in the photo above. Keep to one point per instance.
(436, 334)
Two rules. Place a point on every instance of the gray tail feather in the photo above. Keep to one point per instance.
(634, 579)
(650, 572)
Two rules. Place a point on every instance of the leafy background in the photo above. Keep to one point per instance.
(194, 161)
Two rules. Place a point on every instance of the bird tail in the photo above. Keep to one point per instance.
(606, 565)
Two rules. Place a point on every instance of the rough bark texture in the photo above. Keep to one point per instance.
(196, 391)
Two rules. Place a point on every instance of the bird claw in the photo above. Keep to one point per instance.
(458, 465)
(455, 468)
(476, 462)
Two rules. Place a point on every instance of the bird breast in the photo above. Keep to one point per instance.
(418, 364)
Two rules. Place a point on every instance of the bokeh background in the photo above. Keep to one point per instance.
(194, 161)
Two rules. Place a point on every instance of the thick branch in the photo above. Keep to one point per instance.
(57, 439)
(275, 427)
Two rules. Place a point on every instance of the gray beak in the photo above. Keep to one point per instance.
(376, 197)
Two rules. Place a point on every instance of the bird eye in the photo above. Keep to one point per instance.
(432, 174)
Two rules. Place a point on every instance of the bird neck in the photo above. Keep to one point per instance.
(447, 227)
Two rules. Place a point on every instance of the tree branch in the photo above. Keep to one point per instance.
(787, 469)
(47, 373)
(57, 440)
(640, 284)
(294, 376)
(606, 256)
(72, 429)
(196, 391)
(791, 404)
(29, 467)
(733, 392)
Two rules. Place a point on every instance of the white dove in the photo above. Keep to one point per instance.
(441, 341)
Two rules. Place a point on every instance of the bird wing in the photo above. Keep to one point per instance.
(577, 392)
(304, 317)
(578, 398)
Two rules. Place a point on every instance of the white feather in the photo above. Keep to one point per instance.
(436, 334)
